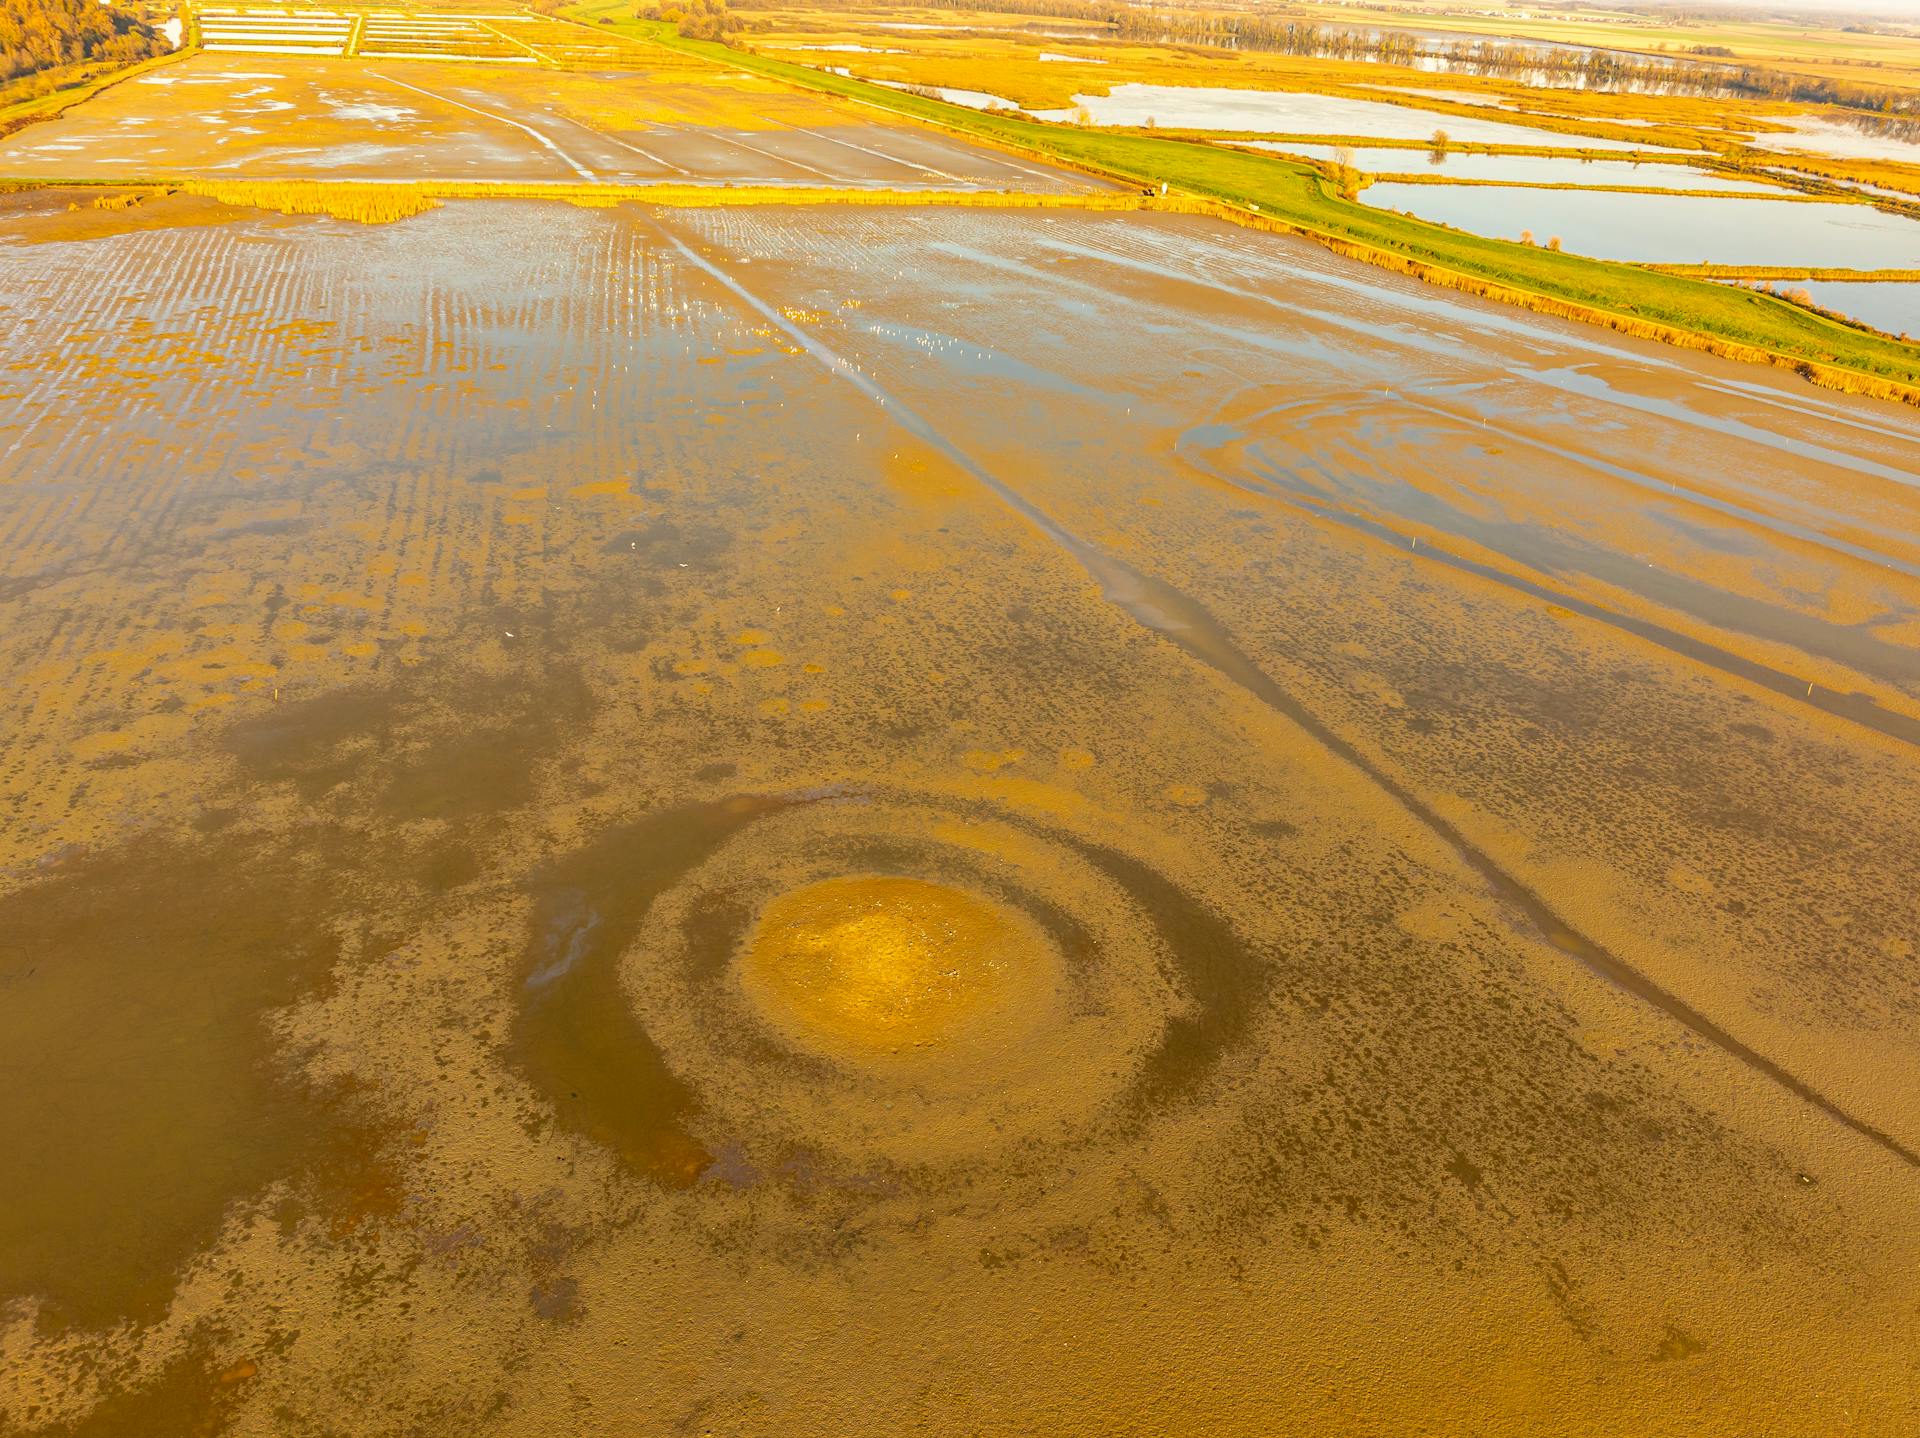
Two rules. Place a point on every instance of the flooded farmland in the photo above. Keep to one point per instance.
(1458, 165)
(1669, 229)
(1284, 112)
(304, 117)
(1893, 307)
(821, 819)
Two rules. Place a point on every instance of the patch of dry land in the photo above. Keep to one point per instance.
(847, 820)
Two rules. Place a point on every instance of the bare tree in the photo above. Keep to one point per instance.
(1345, 174)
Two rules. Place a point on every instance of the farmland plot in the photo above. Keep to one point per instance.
(286, 116)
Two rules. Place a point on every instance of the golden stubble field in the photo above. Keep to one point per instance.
(801, 820)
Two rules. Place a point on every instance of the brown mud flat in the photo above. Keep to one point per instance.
(293, 117)
(45, 214)
(1388, 821)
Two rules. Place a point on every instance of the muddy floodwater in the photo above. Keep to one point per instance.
(775, 821)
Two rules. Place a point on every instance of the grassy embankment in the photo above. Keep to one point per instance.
(1721, 134)
(1271, 193)
(1727, 135)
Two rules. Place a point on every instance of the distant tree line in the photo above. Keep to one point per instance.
(1602, 70)
(1597, 70)
(42, 35)
(696, 19)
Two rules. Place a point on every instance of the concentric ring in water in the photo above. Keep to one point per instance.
(899, 980)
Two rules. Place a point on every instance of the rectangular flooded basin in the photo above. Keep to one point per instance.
(1668, 229)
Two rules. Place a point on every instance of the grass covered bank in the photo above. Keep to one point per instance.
(1297, 198)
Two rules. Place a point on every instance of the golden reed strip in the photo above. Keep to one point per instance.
(1781, 272)
(379, 203)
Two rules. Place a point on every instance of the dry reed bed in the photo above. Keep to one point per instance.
(373, 203)
(1781, 272)
(369, 204)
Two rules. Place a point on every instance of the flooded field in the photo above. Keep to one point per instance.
(272, 116)
(1521, 169)
(1860, 140)
(1669, 229)
(1677, 81)
(771, 820)
(1892, 306)
(1284, 112)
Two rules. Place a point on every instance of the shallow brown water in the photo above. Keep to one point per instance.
(1391, 821)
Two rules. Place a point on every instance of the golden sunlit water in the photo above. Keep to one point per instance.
(820, 819)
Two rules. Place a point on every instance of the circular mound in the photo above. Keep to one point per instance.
(886, 968)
